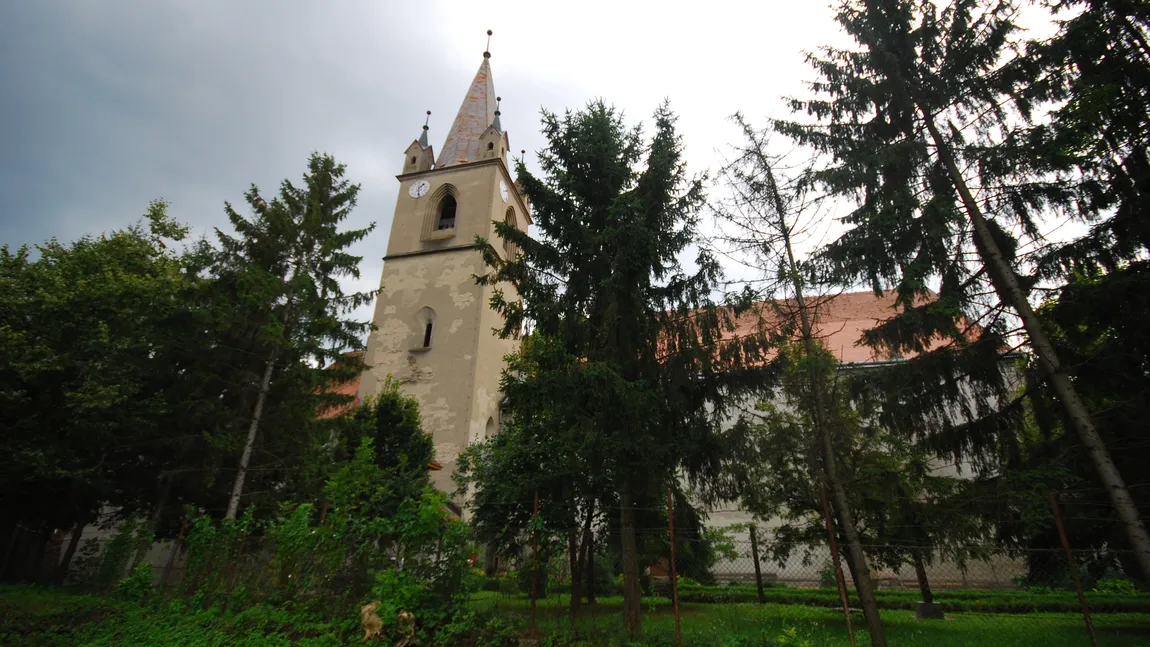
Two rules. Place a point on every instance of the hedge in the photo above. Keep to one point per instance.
(954, 601)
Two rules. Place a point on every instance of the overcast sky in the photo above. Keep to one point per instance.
(107, 105)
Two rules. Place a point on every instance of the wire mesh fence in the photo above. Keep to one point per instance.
(733, 583)
(975, 594)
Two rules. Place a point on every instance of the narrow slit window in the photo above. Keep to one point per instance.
(447, 212)
(427, 335)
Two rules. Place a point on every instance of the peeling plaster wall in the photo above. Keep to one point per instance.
(456, 380)
(439, 376)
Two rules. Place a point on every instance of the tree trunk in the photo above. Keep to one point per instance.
(855, 556)
(490, 559)
(70, 551)
(590, 542)
(923, 584)
(631, 591)
(576, 570)
(1010, 291)
(242, 472)
(758, 571)
(11, 547)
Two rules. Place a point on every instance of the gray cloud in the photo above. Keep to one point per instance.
(108, 105)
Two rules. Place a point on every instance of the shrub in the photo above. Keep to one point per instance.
(1117, 586)
(138, 585)
(509, 583)
(524, 582)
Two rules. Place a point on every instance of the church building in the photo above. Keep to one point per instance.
(434, 326)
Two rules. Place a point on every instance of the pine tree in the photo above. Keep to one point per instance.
(916, 121)
(603, 280)
(281, 276)
(768, 215)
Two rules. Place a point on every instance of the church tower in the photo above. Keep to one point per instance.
(434, 325)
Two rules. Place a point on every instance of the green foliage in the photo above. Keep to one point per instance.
(129, 366)
(1116, 586)
(415, 559)
(96, 348)
(301, 558)
(525, 577)
(138, 586)
(280, 310)
(388, 426)
(34, 617)
(102, 565)
(617, 387)
(213, 554)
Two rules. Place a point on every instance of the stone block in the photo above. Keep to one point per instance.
(928, 611)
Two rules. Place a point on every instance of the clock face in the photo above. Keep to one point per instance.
(503, 190)
(418, 188)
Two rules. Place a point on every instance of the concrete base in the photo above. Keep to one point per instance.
(928, 611)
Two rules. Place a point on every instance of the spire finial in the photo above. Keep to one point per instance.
(487, 50)
(423, 136)
(495, 122)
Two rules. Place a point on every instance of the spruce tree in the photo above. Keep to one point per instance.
(279, 277)
(915, 120)
(603, 280)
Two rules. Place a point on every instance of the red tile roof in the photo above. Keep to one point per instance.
(350, 387)
(839, 322)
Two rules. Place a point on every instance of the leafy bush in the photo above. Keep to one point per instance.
(1116, 586)
(101, 566)
(214, 556)
(960, 600)
(138, 586)
(524, 581)
(509, 583)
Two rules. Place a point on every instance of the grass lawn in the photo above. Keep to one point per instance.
(724, 625)
(47, 617)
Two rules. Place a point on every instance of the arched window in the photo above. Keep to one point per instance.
(490, 146)
(447, 212)
(509, 248)
(439, 214)
(425, 327)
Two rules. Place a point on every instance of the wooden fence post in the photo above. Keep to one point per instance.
(1073, 569)
(674, 579)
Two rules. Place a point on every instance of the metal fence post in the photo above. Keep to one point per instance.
(1073, 569)
(534, 566)
(674, 579)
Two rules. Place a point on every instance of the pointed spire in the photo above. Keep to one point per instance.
(423, 136)
(495, 122)
(475, 114)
